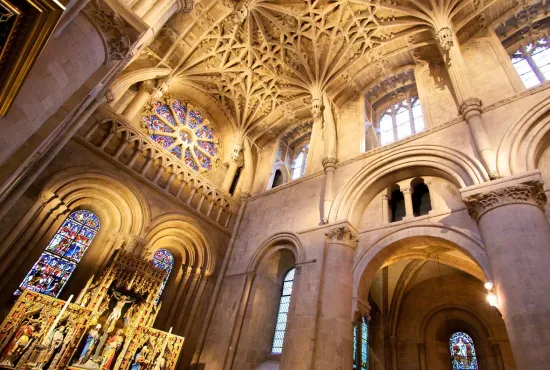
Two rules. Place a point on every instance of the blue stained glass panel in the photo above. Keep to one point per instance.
(163, 259)
(210, 148)
(165, 141)
(463, 353)
(180, 111)
(164, 112)
(195, 119)
(54, 267)
(156, 124)
(205, 132)
(203, 160)
(190, 161)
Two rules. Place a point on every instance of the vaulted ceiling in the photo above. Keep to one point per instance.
(261, 60)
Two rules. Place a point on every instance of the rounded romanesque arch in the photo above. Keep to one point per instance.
(187, 242)
(283, 240)
(525, 141)
(400, 240)
(122, 210)
(439, 161)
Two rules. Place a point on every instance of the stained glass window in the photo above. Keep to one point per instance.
(463, 353)
(184, 131)
(400, 120)
(361, 341)
(56, 264)
(163, 260)
(282, 314)
(299, 164)
(532, 62)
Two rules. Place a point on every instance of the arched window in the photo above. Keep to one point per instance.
(282, 314)
(163, 260)
(277, 179)
(421, 201)
(463, 353)
(299, 165)
(361, 344)
(400, 120)
(56, 264)
(397, 205)
(532, 62)
(184, 131)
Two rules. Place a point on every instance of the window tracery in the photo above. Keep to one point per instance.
(532, 62)
(185, 131)
(65, 250)
(164, 260)
(400, 119)
(463, 353)
(282, 313)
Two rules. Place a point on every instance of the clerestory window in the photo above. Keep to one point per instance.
(532, 62)
(400, 120)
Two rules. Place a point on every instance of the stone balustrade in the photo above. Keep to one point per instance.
(111, 135)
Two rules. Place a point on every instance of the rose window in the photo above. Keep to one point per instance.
(184, 131)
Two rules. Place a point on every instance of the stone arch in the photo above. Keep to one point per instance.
(187, 242)
(122, 209)
(282, 240)
(524, 142)
(283, 169)
(447, 163)
(470, 311)
(127, 79)
(373, 258)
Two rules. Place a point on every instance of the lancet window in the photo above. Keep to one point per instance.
(163, 259)
(65, 250)
(463, 353)
(291, 156)
(282, 314)
(532, 62)
(183, 130)
(361, 344)
(400, 119)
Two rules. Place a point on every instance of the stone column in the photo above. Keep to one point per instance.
(329, 166)
(334, 348)
(407, 194)
(516, 233)
(385, 208)
(140, 99)
(469, 105)
(237, 327)
(422, 356)
(233, 167)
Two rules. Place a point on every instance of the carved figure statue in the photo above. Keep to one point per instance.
(109, 353)
(117, 311)
(18, 345)
(140, 359)
(91, 341)
(159, 362)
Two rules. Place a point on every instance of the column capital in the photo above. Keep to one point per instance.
(470, 105)
(107, 96)
(236, 152)
(342, 235)
(509, 192)
(407, 190)
(329, 163)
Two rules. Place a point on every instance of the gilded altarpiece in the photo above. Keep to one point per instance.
(108, 327)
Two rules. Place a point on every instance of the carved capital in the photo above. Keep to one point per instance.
(329, 163)
(530, 193)
(317, 107)
(407, 191)
(342, 235)
(469, 105)
(107, 96)
(445, 37)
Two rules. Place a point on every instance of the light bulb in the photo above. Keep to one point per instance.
(488, 285)
(492, 299)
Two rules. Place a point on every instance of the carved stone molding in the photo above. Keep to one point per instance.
(317, 107)
(113, 29)
(529, 193)
(445, 38)
(342, 235)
